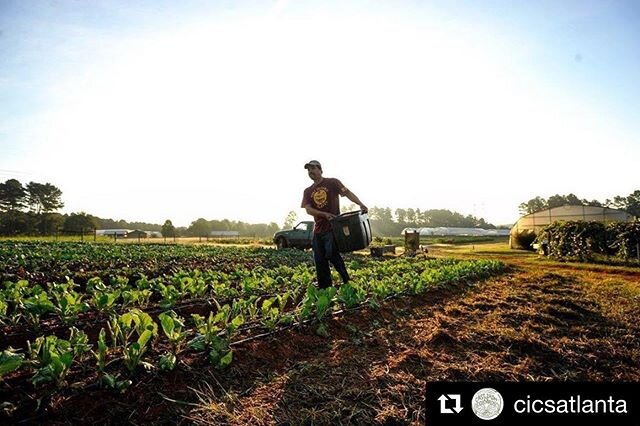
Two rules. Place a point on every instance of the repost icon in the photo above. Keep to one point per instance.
(445, 404)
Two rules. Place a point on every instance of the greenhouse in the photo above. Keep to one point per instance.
(534, 222)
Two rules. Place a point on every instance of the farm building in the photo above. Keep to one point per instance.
(119, 233)
(534, 222)
(127, 233)
(446, 231)
(225, 234)
(137, 234)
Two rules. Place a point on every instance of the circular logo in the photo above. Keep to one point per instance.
(320, 197)
(487, 404)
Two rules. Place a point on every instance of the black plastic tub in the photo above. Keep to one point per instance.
(352, 231)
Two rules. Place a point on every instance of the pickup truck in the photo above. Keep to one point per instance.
(299, 237)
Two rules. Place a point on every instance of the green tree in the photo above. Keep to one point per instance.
(630, 203)
(556, 201)
(571, 199)
(411, 216)
(592, 203)
(168, 230)
(290, 220)
(43, 198)
(200, 228)
(12, 196)
(401, 215)
(633, 203)
(49, 223)
(80, 222)
(14, 222)
(533, 205)
(386, 215)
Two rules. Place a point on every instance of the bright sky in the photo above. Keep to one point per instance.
(148, 110)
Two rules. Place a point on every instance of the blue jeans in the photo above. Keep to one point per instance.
(325, 251)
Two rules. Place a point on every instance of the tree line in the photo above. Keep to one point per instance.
(202, 227)
(387, 222)
(630, 203)
(32, 210)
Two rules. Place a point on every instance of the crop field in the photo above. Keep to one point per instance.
(83, 324)
(201, 334)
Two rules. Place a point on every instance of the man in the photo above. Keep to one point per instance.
(321, 201)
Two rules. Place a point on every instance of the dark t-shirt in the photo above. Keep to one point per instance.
(324, 196)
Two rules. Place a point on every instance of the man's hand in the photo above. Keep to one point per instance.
(329, 216)
(364, 208)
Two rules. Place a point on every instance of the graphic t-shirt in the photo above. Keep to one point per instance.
(324, 196)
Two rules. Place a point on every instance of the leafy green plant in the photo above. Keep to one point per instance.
(191, 283)
(167, 362)
(270, 318)
(114, 382)
(208, 329)
(123, 328)
(53, 357)
(136, 297)
(282, 300)
(252, 308)
(105, 379)
(351, 295)
(105, 301)
(170, 295)
(35, 306)
(324, 298)
(173, 327)
(318, 302)
(133, 352)
(4, 306)
(101, 354)
(68, 304)
(9, 361)
(208, 338)
(15, 291)
(79, 342)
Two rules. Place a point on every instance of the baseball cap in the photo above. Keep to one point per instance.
(313, 163)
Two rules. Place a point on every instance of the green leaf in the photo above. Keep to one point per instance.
(9, 361)
(144, 338)
(66, 359)
(321, 305)
(198, 343)
(167, 362)
(238, 321)
(167, 324)
(226, 360)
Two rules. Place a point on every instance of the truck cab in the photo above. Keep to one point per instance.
(299, 237)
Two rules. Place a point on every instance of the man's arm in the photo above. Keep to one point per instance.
(353, 198)
(315, 212)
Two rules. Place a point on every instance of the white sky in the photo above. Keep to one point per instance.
(215, 118)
